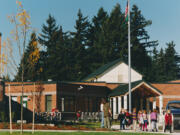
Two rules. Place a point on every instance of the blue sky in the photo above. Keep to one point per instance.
(165, 15)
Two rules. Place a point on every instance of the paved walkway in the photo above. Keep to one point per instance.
(117, 127)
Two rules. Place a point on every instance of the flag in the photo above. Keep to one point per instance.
(126, 12)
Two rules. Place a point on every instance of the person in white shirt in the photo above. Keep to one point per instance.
(102, 112)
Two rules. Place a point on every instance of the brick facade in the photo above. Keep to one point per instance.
(59, 92)
(48, 89)
(64, 96)
(171, 91)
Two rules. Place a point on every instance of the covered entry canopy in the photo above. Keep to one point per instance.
(142, 87)
(142, 92)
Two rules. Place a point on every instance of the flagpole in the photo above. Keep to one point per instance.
(129, 56)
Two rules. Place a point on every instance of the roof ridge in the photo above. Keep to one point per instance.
(102, 69)
(122, 89)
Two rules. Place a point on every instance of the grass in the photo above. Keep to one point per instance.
(77, 133)
(92, 124)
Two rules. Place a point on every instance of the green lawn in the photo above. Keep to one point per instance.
(78, 133)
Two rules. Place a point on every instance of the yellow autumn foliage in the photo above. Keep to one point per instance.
(35, 55)
(22, 16)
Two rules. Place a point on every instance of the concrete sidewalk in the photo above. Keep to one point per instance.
(117, 127)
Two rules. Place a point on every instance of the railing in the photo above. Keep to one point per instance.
(51, 117)
(48, 117)
(94, 116)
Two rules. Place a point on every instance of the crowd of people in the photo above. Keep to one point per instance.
(140, 120)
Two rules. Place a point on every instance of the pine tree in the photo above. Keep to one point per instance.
(161, 66)
(48, 39)
(165, 64)
(61, 58)
(95, 48)
(110, 41)
(79, 47)
(30, 70)
(171, 62)
(154, 70)
(139, 36)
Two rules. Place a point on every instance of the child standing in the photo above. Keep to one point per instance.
(153, 117)
(134, 117)
(145, 121)
(122, 119)
(168, 121)
(140, 119)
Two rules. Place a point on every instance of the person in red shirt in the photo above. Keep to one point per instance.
(168, 121)
(78, 115)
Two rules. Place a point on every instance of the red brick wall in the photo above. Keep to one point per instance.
(171, 91)
(165, 101)
(49, 89)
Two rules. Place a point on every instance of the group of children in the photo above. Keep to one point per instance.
(143, 119)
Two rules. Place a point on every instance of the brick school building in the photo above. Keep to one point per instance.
(109, 81)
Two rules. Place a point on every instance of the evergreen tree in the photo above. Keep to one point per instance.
(30, 71)
(79, 48)
(49, 34)
(96, 34)
(91, 45)
(6, 78)
(61, 58)
(48, 39)
(165, 64)
(161, 66)
(171, 62)
(110, 41)
(154, 70)
(139, 36)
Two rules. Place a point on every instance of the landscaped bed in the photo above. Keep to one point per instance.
(78, 133)
(76, 129)
(64, 126)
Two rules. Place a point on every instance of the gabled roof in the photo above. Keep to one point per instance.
(123, 89)
(104, 68)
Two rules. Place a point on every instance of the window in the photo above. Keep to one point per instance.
(48, 102)
(14, 98)
(25, 99)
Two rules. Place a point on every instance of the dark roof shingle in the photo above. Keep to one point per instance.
(123, 89)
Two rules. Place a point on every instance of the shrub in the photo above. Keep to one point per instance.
(13, 116)
(2, 116)
(5, 125)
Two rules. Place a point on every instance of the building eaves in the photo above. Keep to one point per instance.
(123, 89)
(104, 68)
